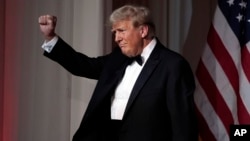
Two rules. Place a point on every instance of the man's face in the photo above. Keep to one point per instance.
(128, 37)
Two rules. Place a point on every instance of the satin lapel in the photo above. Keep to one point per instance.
(149, 67)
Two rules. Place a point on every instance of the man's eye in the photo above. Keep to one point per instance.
(121, 30)
(118, 31)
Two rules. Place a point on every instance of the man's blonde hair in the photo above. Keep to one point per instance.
(139, 15)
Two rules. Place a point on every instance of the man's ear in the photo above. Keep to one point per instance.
(144, 31)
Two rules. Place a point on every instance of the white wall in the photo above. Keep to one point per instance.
(88, 39)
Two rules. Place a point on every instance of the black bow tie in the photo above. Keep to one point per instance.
(137, 58)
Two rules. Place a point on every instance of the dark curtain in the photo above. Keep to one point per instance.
(1, 65)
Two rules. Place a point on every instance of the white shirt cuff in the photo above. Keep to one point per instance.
(48, 46)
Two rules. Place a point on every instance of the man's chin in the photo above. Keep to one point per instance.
(126, 53)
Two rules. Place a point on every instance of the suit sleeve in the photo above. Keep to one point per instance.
(180, 101)
(76, 62)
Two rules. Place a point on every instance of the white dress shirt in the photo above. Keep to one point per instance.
(124, 89)
(48, 46)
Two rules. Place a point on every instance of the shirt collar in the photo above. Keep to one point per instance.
(148, 50)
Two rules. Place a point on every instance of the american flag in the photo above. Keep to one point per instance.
(222, 95)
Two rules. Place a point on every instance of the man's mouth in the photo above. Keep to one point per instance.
(121, 45)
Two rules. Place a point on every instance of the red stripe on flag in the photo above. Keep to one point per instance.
(245, 59)
(214, 96)
(205, 132)
(226, 62)
(224, 58)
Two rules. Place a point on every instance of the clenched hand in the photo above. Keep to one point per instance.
(47, 26)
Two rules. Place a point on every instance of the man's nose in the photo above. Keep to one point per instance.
(117, 38)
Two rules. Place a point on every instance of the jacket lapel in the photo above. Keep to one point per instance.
(106, 86)
(149, 67)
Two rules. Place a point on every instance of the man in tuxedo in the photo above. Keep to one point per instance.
(144, 90)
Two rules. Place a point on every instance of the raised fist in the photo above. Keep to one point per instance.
(47, 26)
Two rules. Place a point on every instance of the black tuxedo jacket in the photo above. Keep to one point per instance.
(160, 107)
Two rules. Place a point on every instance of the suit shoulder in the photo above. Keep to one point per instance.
(173, 60)
(171, 55)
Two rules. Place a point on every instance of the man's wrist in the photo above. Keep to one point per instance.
(50, 37)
